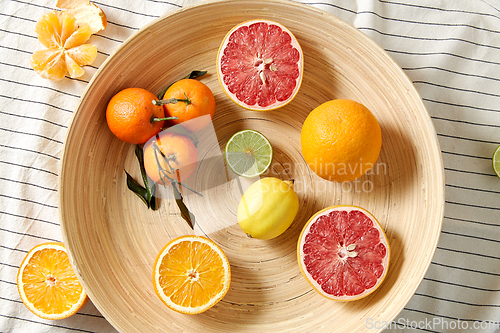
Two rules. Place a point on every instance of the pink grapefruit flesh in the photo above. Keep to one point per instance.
(260, 65)
(343, 253)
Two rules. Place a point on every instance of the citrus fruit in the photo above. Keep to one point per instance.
(340, 140)
(267, 208)
(260, 65)
(169, 155)
(249, 153)
(496, 161)
(188, 99)
(191, 274)
(65, 51)
(343, 253)
(47, 283)
(85, 11)
(132, 117)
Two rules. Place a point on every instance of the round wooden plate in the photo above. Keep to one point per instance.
(113, 239)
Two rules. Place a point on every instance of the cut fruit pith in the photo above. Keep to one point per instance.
(260, 65)
(343, 253)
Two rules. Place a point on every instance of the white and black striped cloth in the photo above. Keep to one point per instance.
(450, 49)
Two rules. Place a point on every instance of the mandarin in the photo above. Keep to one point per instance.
(65, 51)
(341, 140)
(132, 117)
(169, 156)
(188, 99)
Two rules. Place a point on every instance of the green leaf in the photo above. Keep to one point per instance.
(192, 75)
(138, 189)
(185, 213)
(146, 194)
(150, 185)
(153, 204)
(195, 74)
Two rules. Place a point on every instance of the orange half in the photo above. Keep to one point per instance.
(47, 284)
(191, 274)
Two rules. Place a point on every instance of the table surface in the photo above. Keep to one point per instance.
(450, 49)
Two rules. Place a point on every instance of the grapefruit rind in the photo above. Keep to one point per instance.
(166, 300)
(20, 286)
(256, 107)
(308, 277)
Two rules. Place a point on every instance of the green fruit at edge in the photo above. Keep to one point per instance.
(267, 208)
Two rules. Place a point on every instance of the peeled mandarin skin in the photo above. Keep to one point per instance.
(267, 208)
(341, 140)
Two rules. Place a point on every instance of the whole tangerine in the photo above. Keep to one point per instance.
(188, 99)
(169, 156)
(341, 140)
(132, 117)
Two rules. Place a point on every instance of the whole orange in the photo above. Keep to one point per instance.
(169, 155)
(189, 99)
(341, 140)
(131, 115)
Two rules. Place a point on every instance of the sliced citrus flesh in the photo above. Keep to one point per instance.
(47, 284)
(65, 51)
(249, 153)
(260, 65)
(343, 253)
(496, 161)
(191, 274)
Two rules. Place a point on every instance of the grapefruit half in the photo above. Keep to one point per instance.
(343, 253)
(260, 65)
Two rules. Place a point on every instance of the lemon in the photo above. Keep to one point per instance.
(267, 208)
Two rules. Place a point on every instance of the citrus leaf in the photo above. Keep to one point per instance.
(153, 204)
(146, 194)
(138, 189)
(185, 213)
(195, 74)
(150, 185)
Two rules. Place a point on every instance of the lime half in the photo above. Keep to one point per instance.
(496, 161)
(249, 153)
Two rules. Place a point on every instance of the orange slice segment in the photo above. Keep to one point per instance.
(191, 274)
(47, 284)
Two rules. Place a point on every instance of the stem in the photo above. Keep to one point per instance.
(154, 119)
(164, 173)
(172, 101)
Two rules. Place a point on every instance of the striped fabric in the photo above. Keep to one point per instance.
(450, 49)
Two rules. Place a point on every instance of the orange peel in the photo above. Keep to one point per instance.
(85, 12)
